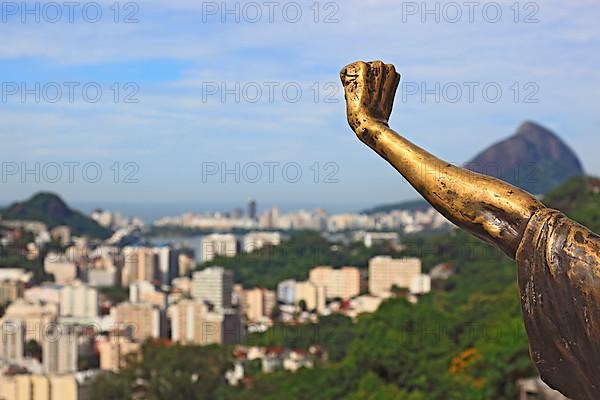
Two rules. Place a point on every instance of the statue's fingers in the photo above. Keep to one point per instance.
(376, 82)
(346, 74)
(361, 90)
(353, 79)
(382, 95)
(376, 77)
(390, 87)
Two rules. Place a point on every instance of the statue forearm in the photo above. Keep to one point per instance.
(487, 207)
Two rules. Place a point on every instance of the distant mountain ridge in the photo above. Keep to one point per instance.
(50, 209)
(534, 159)
(409, 205)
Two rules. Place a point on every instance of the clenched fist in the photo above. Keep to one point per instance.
(370, 89)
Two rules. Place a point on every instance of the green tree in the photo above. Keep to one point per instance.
(168, 373)
(33, 350)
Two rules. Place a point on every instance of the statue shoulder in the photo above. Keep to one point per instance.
(559, 281)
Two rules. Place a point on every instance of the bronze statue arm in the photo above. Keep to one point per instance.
(489, 208)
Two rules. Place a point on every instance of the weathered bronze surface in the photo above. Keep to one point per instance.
(559, 260)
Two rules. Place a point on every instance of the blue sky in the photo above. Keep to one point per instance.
(179, 51)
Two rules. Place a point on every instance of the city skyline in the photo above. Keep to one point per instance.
(150, 212)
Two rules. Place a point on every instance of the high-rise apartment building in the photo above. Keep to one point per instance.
(43, 387)
(140, 264)
(36, 316)
(167, 264)
(257, 240)
(10, 290)
(193, 323)
(79, 300)
(12, 340)
(213, 285)
(145, 292)
(114, 353)
(341, 283)
(311, 295)
(218, 245)
(186, 321)
(258, 304)
(47, 292)
(186, 263)
(140, 321)
(286, 291)
(63, 270)
(60, 351)
(386, 272)
(251, 209)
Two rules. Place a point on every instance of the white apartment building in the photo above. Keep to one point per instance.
(13, 340)
(386, 272)
(312, 295)
(63, 270)
(372, 238)
(60, 351)
(343, 283)
(258, 240)
(218, 245)
(213, 285)
(193, 323)
(79, 300)
(141, 320)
